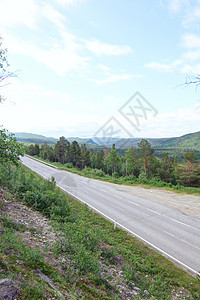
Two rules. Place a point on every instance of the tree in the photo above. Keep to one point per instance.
(100, 159)
(192, 80)
(131, 158)
(167, 169)
(113, 158)
(61, 148)
(84, 156)
(10, 149)
(4, 73)
(106, 153)
(190, 157)
(75, 154)
(145, 152)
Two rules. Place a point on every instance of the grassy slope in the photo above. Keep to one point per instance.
(92, 253)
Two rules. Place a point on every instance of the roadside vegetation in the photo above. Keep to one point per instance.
(96, 261)
(138, 165)
(79, 254)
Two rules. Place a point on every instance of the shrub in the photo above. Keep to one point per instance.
(143, 178)
(115, 175)
(69, 165)
(130, 178)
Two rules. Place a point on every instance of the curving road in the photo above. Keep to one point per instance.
(175, 235)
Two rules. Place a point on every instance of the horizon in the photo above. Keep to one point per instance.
(89, 137)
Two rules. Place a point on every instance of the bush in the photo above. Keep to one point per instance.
(99, 173)
(143, 178)
(157, 182)
(69, 165)
(130, 178)
(115, 175)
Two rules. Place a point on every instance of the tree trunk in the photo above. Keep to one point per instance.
(145, 165)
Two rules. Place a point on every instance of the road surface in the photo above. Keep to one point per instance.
(169, 231)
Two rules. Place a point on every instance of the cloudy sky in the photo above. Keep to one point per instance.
(80, 61)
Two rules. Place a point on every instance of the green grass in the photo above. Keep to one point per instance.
(87, 246)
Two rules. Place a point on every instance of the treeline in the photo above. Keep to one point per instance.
(137, 162)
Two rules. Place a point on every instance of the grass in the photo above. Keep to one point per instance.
(91, 258)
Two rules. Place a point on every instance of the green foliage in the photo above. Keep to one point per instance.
(145, 152)
(85, 239)
(108, 165)
(62, 150)
(32, 292)
(3, 60)
(4, 73)
(10, 149)
(113, 160)
(42, 196)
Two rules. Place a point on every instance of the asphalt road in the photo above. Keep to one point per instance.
(175, 235)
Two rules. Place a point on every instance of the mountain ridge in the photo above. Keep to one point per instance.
(187, 141)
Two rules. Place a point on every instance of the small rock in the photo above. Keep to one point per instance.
(128, 293)
(7, 289)
(146, 293)
(133, 284)
(137, 289)
(4, 280)
(134, 293)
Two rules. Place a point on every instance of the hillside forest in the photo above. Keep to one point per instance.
(138, 164)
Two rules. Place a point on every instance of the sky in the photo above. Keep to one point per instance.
(89, 68)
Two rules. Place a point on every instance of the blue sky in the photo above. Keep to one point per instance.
(79, 61)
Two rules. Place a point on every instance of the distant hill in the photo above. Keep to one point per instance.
(25, 137)
(31, 138)
(127, 143)
(188, 142)
(78, 140)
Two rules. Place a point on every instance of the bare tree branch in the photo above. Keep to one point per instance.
(192, 80)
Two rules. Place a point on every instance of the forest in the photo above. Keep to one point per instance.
(138, 164)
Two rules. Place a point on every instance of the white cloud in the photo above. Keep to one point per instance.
(112, 78)
(176, 6)
(53, 15)
(188, 62)
(103, 67)
(100, 48)
(164, 67)
(191, 69)
(191, 58)
(188, 10)
(60, 57)
(191, 41)
(70, 3)
(23, 12)
(184, 121)
(34, 108)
